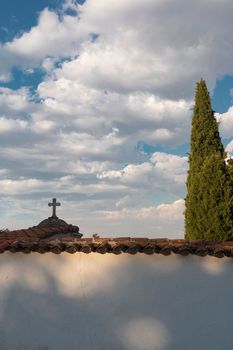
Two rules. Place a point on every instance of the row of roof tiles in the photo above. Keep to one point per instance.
(60, 239)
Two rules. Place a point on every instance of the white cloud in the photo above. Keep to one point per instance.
(19, 186)
(226, 123)
(152, 46)
(141, 46)
(164, 172)
(140, 116)
(163, 219)
(14, 102)
(62, 37)
(116, 73)
(172, 211)
(43, 126)
(7, 125)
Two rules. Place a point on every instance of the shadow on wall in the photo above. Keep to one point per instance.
(95, 302)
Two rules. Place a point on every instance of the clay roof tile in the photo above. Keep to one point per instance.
(59, 239)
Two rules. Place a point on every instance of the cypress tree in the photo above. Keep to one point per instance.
(208, 204)
(230, 167)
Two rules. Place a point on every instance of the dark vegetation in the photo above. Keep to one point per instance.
(209, 200)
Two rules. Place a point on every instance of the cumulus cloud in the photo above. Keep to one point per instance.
(141, 46)
(226, 123)
(164, 172)
(116, 74)
(7, 125)
(14, 102)
(62, 35)
(169, 212)
(140, 115)
(226, 128)
(153, 46)
(160, 219)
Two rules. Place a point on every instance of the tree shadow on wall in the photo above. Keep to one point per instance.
(94, 302)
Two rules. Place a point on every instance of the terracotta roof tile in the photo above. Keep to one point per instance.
(4, 246)
(167, 250)
(34, 233)
(149, 249)
(59, 239)
(86, 248)
(71, 249)
(42, 248)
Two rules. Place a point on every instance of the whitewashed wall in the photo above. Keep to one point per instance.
(88, 302)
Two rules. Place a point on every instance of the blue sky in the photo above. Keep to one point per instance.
(95, 108)
(19, 16)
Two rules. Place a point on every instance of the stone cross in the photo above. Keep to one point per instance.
(54, 205)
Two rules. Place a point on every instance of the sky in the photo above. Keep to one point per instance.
(96, 103)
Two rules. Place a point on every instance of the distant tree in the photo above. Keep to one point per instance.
(209, 200)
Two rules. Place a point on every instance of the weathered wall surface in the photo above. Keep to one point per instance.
(98, 302)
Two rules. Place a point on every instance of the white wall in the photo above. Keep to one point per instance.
(73, 302)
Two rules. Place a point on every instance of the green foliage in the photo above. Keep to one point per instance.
(230, 167)
(209, 200)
